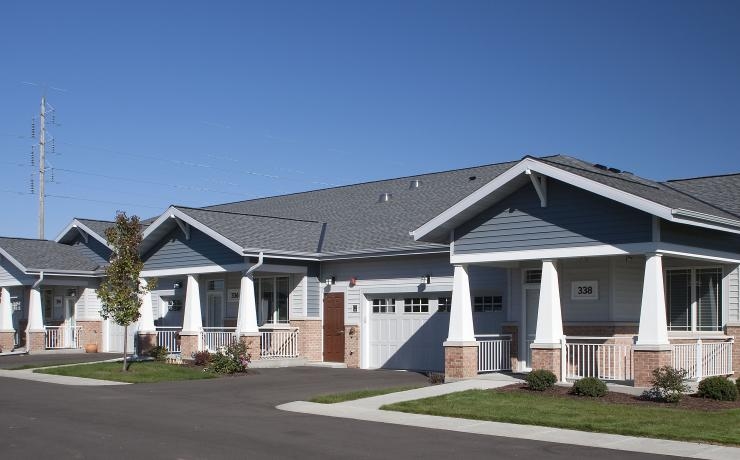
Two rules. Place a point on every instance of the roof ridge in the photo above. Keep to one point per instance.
(613, 175)
(27, 239)
(95, 220)
(249, 214)
(377, 181)
(703, 177)
(702, 201)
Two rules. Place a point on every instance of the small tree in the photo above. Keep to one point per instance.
(120, 290)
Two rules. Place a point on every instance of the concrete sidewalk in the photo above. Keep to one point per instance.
(368, 410)
(28, 374)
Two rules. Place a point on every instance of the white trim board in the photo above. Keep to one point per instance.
(79, 225)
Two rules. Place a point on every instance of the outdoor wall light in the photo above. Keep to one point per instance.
(331, 280)
(177, 285)
(426, 279)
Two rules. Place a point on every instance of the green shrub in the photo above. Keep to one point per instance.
(668, 385)
(201, 358)
(737, 383)
(718, 388)
(589, 386)
(540, 380)
(231, 360)
(159, 353)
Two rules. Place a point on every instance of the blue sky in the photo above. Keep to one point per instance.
(197, 103)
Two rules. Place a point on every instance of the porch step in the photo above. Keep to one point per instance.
(327, 364)
(273, 363)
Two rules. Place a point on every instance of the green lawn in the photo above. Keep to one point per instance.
(587, 415)
(138, 372)
(359, 394)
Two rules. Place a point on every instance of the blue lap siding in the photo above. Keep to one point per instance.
(174, 251)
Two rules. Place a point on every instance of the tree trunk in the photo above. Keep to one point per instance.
(125, 346)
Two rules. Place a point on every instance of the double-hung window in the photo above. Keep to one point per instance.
(694, 299)
(488, 303)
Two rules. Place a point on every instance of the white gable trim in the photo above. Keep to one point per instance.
(76, 225)
(6, 255)
(576, 180)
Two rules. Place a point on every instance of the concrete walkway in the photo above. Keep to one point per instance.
(28, 374)
(368, 409)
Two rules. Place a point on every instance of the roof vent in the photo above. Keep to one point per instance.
(600, 166)
(472, 178)
(385, 197)
(615, 170)
(415, 183)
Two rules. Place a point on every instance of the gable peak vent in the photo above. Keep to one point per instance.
(384, 197)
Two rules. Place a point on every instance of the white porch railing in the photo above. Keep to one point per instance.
(215, 338)
(703, 359)
(62, 337)
(494, 352)
(279, 343)
(167, 337)
(594, 357)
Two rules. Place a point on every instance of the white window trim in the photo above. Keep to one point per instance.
(694, 307)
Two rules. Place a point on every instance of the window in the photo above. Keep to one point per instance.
(272, 296)
(416, 305)
(533, 276)
(488, 303)
(216, 285)
(47, 302)
(694, 299)
(444, 304)
(384, 306)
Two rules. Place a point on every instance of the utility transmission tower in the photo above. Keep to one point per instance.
(42, 165)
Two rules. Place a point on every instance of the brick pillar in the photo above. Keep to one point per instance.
(252, 341)
(310, 335)
(734, 330)
(189, 344)
(147, 341)
(461, 362)
(352, 346)
(547, 358)
(646, 360)
(513, 331)
(91, 332)
(36, 341)
(7, 341)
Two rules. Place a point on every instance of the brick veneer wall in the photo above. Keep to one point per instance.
(461, 362)
(735, 331)
(599, 330)
(146, 342)
(36, 341)
(188, 345)
(547, 358)
(7, 341)
(310, 334)
(253, 343)
(647, 360)
(513, 330)
(91, 332)
(352, 346)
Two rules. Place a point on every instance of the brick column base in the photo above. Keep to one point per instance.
(547, 358)
(645, 361)
(461, 362)
(147, 341)
(91, 332)
(36, 341)
(189, 345)
(735, 331)
(7, 341)
(252, 341)
(310, 335)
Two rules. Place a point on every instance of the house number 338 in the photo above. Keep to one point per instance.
(585, 290)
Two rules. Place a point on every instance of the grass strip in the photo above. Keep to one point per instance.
(359, 394)
(722, 427)
(138, 372)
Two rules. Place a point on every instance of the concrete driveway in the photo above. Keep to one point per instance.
(234, 417)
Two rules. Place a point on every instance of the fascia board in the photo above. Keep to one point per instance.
(13, 260)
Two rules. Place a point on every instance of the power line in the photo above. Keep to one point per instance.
(119, 203)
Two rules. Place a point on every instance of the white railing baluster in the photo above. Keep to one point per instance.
(279, 344)
(167, 337)
(702, 359)
(606, 361)
(494, 352)
(57, 337)
(216, 338)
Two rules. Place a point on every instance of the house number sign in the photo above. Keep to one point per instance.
(584, 290)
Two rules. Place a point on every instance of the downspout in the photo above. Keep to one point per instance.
(39, 281)
(260, 262)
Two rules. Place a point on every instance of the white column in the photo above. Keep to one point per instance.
(247, 316)
(192, 321)
(549, 317)
(461, 330)
(6, 312)
(653, 330)
(35, 312)
(146, 313)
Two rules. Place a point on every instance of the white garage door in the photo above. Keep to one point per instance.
(407, 333)
(115, 337)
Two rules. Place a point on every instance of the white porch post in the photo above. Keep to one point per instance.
(653, 330)
(549, 317)
(146, 315)
(35, 312)
(246, 323)
(192, 321)
(461, 331)
(6, 311)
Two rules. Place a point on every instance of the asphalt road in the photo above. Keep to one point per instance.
(234, 417)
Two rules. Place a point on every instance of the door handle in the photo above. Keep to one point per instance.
(340, 332)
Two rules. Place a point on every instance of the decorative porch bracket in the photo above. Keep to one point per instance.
(540, 185)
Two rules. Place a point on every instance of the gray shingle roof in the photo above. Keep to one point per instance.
(720, 191)
(262, 232)
(98, 226)
(46, 255)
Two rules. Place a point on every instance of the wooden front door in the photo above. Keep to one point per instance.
(334, 327)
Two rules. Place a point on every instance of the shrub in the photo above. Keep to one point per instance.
(231, 360)
(436, 378)
(201, 358)
(540, 380)
(668, 384)
(589, 386)
(159, 353)
(718, 388)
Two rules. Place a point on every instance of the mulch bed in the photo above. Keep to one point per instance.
(687, 402)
